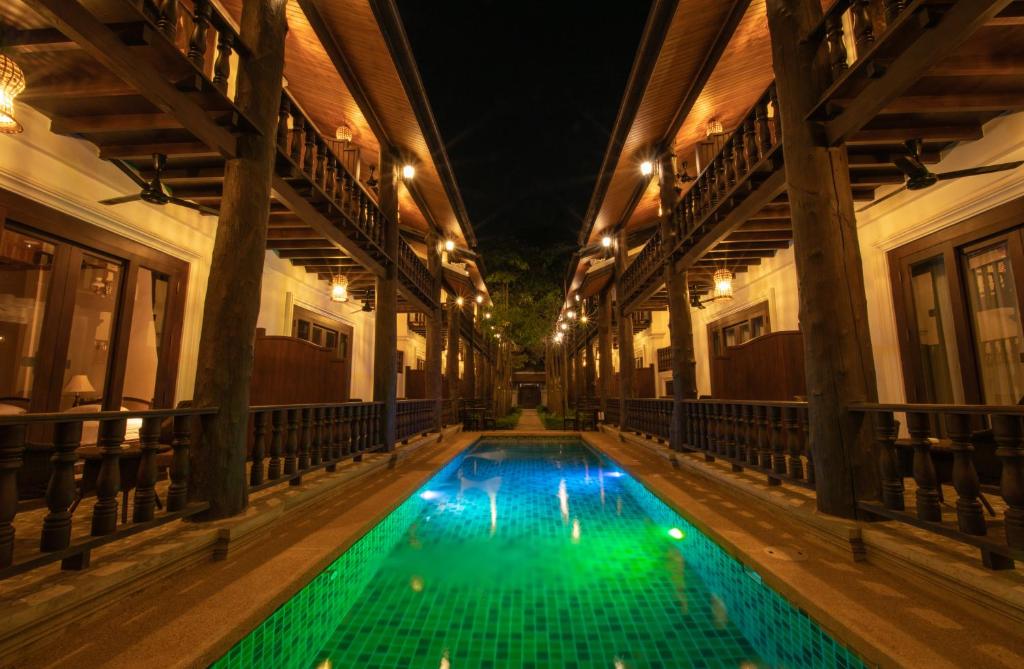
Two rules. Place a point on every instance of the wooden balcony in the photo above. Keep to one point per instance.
(142, 78)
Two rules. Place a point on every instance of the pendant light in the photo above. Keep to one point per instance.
(12, 83)
(722, 279)
(339, 289)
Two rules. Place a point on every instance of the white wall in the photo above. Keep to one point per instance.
(67, 175)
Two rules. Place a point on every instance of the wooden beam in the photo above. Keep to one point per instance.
(957, 24)
(933, 133)
(296, 244)
(732, 245)
(103, 44)
(140, 151)
(316, 220)
(742, 235)
(978, 66)
(961, 102)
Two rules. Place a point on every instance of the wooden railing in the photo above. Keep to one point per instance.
(981, 450)
(414, 417)
(45, 449)
(449, 412)
(289, 440)
(869, 19)
(746, 153)
(202, 33)
(649, 417)
(415, 274)
(650, 259)
(312, 156)
(611, 415)
(767, 436)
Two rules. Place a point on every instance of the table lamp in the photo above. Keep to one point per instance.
(79, 384)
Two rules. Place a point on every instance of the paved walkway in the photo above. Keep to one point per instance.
(529, 420)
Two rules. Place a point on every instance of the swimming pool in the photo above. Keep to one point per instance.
(526, 554)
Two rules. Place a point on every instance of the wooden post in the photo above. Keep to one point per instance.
(570, 368)
(434, 344)
(604, 344)
(626, 361)
(469, 364)
(385, 326)
(453, 355)
(680, 326)
(833, 313)
(232, 304)
(588, 371)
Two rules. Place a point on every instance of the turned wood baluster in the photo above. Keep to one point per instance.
(313, 437)
(863, 30)
(309, 149)
(766, 442)
(108, 481)
(808, 445)
(181, 442)
(222, 66)
(277, 419)
(924, 469)
(892, 483)
(749, 143)
(1007, 431)
(351, 429)
(779, 441)
(283, 114)
(197, 40)
(298, 139)
(739, 165)
(740, 432)
(12, 447)
(319, 173)
(322, 436)
(291, 446)
(145, 491)
(331, 187)
(763, 132)
(358, 424)
(836, 47)
(304, 439)
(791, 421)
(168, 21)
(753, 434)
(891, 10)
(776, 117)
(60, 492)
(729, 176)
(259, 431)
(969, 515)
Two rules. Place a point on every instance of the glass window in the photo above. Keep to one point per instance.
(995, 317)
(937, 352)
(26, 268)
(148, 315)
(92, 322)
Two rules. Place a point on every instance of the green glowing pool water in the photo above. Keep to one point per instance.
(523, 554)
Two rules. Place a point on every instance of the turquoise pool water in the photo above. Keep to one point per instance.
(528, 555)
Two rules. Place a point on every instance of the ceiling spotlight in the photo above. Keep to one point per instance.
(570, 314)
(563, 326)
(449, 245)
(408, 171)
(577, 296)
(479, 299)
(606, 241)
(583, 319)
(487, 315)
(647, 168)
(459, 301)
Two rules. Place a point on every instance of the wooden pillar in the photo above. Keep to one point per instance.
(469, 364)
(580, 374)
(563, 363)
(604, 343)
(588, 370)
(570, 370)
(226, 345)
(680, 326)
(833, 312)
(385, 340)
(433, 320)
(626, 362)
(454, 316)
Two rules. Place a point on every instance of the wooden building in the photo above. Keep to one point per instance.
(148, 289)
(809, 220)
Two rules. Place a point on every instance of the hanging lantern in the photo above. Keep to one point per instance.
(12, 83)
(714, 127)
(722, 278)
(343, 134)
(339, 289)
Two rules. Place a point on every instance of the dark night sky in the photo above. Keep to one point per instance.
(525, 94)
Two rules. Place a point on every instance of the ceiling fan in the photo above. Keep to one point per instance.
(154, 191)
(920, 177)
(367, 304)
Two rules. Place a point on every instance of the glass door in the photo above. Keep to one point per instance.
(991, 271)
